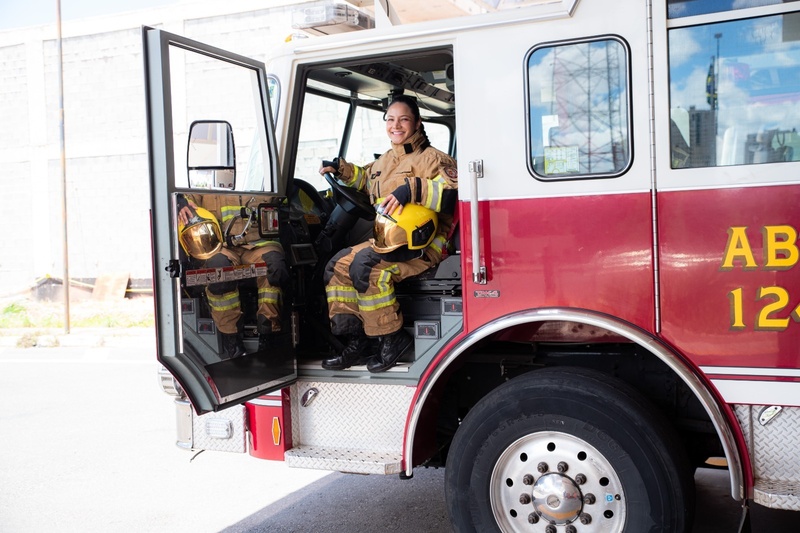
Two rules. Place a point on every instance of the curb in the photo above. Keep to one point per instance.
(77, 338)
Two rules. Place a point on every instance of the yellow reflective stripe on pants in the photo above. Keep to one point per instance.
(269, 295)
(385, 295)
(341, 293)
(262, 243)
(224, 302)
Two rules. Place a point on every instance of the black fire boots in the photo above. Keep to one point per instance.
(393, 346)
(232, 345)
(357, 352)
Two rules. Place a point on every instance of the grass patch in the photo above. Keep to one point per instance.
(126, 313)
(32, 339)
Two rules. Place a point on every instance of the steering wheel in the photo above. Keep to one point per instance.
(320, 206)
(351, 200)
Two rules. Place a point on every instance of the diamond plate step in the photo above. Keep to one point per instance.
(777, 494)
(343, 460)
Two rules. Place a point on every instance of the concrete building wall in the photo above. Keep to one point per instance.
(107, 190)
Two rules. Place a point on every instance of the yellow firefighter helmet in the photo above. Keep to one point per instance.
(415, 227)
(201, 237)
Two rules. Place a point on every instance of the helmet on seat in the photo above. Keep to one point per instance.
(201, 237)
(415, 227)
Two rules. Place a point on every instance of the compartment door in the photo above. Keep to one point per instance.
(188, 81)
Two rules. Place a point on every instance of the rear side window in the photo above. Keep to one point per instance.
(690, 8)
(735, 92)
(579, 109)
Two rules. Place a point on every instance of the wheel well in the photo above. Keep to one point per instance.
(506, 354)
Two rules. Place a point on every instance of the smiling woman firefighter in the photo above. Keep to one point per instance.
(413, 188)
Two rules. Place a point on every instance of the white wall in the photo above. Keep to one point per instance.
(106, 164)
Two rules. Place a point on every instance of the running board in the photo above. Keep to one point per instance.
(772, 433)
(777, 494)
(343, 460)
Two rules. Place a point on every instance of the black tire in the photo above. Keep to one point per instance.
(630, 459)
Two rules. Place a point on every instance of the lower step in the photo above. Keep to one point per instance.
(777, 494)
(344, 460)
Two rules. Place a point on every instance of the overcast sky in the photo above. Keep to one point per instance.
(20, 13)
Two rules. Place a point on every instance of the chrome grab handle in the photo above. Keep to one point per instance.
(478, 270)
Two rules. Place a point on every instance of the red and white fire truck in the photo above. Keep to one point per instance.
(620, 301)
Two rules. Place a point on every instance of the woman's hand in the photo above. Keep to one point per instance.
(325, 170)
(330, 166)
(391, 205)
(187, 212)
(396, 200)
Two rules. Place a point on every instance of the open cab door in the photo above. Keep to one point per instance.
(211, 143)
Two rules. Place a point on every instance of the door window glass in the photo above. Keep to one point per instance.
(368, 139)
(206, 88)
(320, 137)
(578, 99)
(439, 135)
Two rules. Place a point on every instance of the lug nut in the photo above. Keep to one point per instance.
(585, 519)
(580, 479)
(542, 468)
(570, 529)
(550, 529)
(525, 498)
(589, 499)
(533, 518)
(527, 479)
(562, 467)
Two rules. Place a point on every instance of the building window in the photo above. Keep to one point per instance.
(735, 92)
(579, 109)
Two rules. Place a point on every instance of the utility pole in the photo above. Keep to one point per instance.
(717, 36)
(65, 247)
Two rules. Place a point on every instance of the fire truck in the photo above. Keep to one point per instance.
(620, 300)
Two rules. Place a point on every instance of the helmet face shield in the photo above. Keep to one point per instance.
(388, 235)
(201, 237)
(415, 227)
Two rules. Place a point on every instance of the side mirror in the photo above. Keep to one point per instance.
(211, 156)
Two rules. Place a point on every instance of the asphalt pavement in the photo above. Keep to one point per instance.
(88, 446)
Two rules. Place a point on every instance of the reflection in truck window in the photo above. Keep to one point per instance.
(579, 109)
(735, 92)
(690, 8)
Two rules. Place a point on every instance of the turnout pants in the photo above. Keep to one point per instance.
(226, 309)
(359, 284)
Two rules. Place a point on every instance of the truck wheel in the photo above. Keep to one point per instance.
(567, 450)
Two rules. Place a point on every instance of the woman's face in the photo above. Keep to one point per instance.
(400, 123)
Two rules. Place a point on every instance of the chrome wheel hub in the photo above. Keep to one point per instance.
(557, 499)
(554, 482)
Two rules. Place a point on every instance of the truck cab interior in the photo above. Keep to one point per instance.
(337, 110)
(353, 96)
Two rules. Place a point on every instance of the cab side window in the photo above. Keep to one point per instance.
(579, 109)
